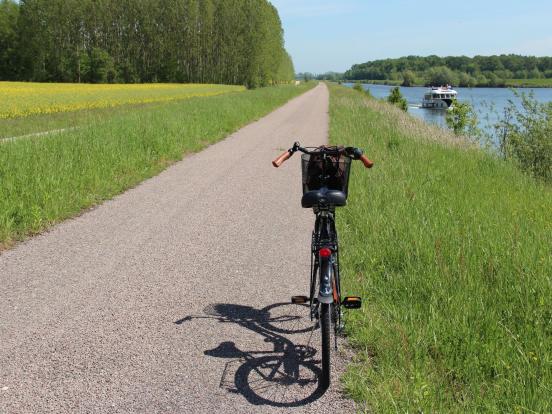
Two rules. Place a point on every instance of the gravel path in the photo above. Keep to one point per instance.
(173, 297)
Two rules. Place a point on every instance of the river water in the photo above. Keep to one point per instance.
(489, 103)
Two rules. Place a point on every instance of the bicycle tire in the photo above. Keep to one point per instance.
(325, 329)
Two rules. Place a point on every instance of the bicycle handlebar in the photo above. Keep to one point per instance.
(281, 159)
(351, 152)
(367, 163)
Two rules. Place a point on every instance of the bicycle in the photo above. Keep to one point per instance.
(325, 176)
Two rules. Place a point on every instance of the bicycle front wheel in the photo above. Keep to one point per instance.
(325, 329)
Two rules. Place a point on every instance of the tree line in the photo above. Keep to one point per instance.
(455, 70)
(139, 41)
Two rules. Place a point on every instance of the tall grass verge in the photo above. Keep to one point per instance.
(451, 249)
(46, 179)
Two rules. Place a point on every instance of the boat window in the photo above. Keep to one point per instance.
(435, 96)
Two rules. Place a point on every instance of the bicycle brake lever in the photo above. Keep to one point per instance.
(354, 153)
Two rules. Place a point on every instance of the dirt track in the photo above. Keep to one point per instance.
(173, 296)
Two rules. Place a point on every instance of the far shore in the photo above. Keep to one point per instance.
(509, 83)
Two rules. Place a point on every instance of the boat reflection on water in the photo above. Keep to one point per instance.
(432, 117)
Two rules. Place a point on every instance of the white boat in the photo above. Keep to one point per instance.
(439, 97)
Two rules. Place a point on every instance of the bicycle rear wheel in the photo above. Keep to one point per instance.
(325, 329)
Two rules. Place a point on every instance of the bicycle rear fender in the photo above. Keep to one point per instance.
(325, 294)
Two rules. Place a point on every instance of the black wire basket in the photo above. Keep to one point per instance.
(325, 171)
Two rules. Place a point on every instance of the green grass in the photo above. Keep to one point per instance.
(529, 83)
(33, 124)
(451, 249)
(49, 178)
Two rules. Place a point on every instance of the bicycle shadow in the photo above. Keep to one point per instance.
(288, 375)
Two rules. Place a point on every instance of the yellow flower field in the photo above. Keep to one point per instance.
(20, 99)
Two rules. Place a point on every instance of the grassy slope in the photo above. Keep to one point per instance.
(46, 179)
(451, 249)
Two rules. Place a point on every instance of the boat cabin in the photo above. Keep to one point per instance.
(439, 97)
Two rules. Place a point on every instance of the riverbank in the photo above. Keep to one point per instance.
(450, 248)
(488, 103)
(507, 83)
(48, 178)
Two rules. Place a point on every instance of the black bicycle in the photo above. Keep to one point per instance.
(325, 172)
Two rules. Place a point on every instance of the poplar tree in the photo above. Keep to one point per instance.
(211, 41)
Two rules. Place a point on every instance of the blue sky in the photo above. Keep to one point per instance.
(323, 35)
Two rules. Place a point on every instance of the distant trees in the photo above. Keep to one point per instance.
(9, 12)
(465, 80)
(330, 76)
(409, 78)
(203, 41)
(441, 75)
(435, 70)
(305, 76)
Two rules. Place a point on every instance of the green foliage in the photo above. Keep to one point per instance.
(409, 78)
(478, 71)
(99, 67)
(9, 12)
(199, 41)
(441, 75)
(358, 87)
(462, 119)
(305, 76)
(450, 248)
(529, 83)
(330, 76)
(46, 179)
(466, 81)
(395, 97)
(367, 92)
(526, 136)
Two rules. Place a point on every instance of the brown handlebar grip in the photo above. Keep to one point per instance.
(367, 163)
(280, 160)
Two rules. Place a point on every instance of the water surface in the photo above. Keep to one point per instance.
(489, 103)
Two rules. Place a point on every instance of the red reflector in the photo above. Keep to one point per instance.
(325, 252)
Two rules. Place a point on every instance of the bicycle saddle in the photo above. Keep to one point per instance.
(324, 197)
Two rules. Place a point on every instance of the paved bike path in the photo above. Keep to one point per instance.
(171, 298)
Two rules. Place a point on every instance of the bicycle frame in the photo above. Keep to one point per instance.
(325, 284)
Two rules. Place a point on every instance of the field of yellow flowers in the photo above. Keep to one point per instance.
(20, 99)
